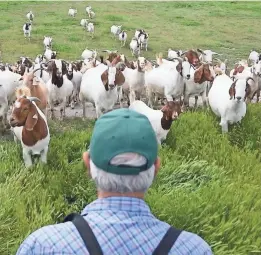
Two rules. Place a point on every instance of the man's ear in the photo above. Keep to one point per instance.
(86, 160)
(157, 165)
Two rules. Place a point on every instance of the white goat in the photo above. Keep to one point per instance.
(59, 87)
(138, 33)
(123, 37)
(115, 30)
(84, 23)
(47, 42)
(253, 57)
(227, 99)
(90, 29)
(197, 84)
(90, 12)
(174, 54)
(30, 16)
(40, 59)
(143, 41)
(99, 86)
(3, 106)
(9, 81)
(72, 12)
(160, 120)
(207, 55)
(75, 77)
(29, 126)
(89, 54)
(27, 28)
(134, 80)
(135, 46)
(167, 81)
(50, 54)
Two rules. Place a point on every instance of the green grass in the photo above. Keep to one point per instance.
(209, 183)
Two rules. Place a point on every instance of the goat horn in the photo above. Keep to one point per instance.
(34, 71)
(34, 99)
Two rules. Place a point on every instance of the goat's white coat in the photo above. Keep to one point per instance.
(135, 47)
(3, 105)
(230, 111)
(154, 117)
(48, 53)
(47, 42)
(40, 148)
(72, 12)
(84, 22)
(115, 30)
(93, 90)
(253, 57)
(166, 81)
(27, 32)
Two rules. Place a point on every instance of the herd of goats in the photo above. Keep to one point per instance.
(31, 88)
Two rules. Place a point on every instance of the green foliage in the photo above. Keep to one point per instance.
(209, 183)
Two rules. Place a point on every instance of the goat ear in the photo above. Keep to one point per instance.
(232, 90)
(179, 67)
(104, 78)
(198, 74)
(32, 118)
(119, 79)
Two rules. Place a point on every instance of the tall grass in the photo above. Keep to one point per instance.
(209, 183)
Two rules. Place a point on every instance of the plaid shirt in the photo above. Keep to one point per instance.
(122, 225)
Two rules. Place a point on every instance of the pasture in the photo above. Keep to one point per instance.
(209, 182)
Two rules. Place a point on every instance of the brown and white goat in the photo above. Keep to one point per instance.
(197, 84)
(160, 120)
(100, 86)
(37, 88)
(29, 126)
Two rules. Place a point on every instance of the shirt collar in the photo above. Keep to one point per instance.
(116, 204)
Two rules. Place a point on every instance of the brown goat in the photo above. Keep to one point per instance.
(37, 89)
(192, 57)
(171, 112)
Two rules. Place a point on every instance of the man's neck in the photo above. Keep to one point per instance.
(104, 194)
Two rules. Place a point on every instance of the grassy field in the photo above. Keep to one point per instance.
(209, 183)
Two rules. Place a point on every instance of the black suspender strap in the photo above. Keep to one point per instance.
(86, 233)
(94, 248)
(167, 242)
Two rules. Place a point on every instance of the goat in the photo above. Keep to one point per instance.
(123, 37)
(221, 67)
(253, 57)
(89, 54)
(90, 29)
(197, 84)
(115, 30)
(99, 86)
(72, 12)
(40, 59)
(90, 12)
(84, 23)
(30, 16)
(192, 57)
(138, 33)
(9, 81)
(174, 54)
(50, 54)
(27, 28)
(207, 55)
(29, 126)
(37, 89)
(167, 82)
(134, 80)
(227, 99)
(143, 40)
(3, 106)
(59, 87)
(47, 42)
(160, 120)
(75, 77)
(135, 46)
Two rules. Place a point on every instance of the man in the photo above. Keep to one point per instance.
(123, 162)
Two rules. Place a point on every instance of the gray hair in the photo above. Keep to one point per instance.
(123, 183)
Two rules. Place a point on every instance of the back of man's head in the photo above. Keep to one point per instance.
(123, 152)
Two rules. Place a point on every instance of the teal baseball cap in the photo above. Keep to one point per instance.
(122, 131)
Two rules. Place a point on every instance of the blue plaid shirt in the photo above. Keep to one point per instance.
(122, 225)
